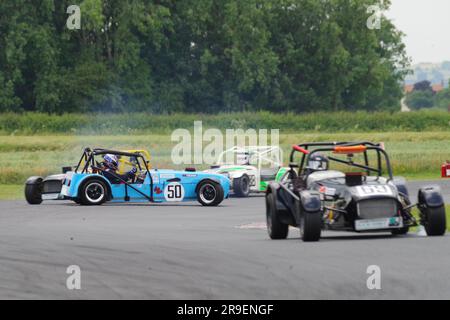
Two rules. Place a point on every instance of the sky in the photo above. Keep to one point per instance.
(426, 24)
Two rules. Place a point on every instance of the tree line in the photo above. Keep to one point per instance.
(165, 56)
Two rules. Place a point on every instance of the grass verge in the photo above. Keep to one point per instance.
(414, 155)
(11, 192)
(145, 123)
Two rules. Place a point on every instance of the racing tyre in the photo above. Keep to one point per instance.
(276, 229)
(241, 186)
(210, 193)
(93, 193)
(311, 226)
(434, 221)
(33, 193)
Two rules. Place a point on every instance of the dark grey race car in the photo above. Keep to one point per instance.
(314, 197)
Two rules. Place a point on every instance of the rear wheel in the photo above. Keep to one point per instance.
(434, 220)
(210, 193)
(33, 192)
(241, 186)
(277, 230)
(311, 225)
(93, 193)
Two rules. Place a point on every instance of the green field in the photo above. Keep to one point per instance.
(415, 155)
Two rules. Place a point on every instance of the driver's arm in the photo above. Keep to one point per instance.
(112, 176)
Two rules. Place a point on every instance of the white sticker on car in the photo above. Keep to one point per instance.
(65, 190)
(330, 192)
(155, 178)
(174, 192)
(167, 175)
(365, 191)
(379, 224)
(50, 196)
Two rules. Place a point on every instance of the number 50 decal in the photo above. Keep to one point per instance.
(174, 192)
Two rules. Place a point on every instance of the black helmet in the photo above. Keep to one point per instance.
(318, 162)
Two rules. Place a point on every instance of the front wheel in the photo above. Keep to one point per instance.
(277, 230)
(92, 193)
(33, 193)
(311, 226)
(434, 220)
(210, 193)
(241, 186)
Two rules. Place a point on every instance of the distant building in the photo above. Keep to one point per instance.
(437, 87)
(409, 88)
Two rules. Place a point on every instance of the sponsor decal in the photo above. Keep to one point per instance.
(155, 178)
(65, 190)
(327, 191)
(158, 190)
(167, 175)
(330, 191)
(394, 222)
(378, 224)
(190, 175)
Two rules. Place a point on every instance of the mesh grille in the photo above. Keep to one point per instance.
(52, 186)
(377, 208)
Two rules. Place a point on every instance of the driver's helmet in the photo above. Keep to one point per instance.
(243, 159)
(111, 161)
(318, 162)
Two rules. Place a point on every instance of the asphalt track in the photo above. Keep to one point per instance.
(191, 252)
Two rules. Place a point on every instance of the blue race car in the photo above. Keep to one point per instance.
(90, 183)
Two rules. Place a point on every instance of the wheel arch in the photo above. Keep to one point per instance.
(236, 174)
(34, 180)
(400, 184)
(95, 177)
(310, 201)
(197, 187)
(285, 213)
(431, 196)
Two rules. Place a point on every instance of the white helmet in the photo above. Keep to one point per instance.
(111, 161)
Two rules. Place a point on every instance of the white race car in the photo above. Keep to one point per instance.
(250, 169)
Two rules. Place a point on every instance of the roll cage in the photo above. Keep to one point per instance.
(270, 154)
(87, 161)
(349, 148)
